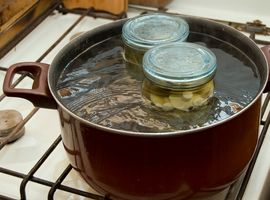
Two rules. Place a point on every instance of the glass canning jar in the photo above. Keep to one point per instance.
(143, 32)
(179, 76)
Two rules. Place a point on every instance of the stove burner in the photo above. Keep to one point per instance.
(256, 26)
(9, 125)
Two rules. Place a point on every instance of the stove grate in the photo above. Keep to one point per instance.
(235, 192)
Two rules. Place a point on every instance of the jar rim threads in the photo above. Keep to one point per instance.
(146, 31)
(179, 66)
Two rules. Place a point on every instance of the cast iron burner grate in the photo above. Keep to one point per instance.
(235, 192)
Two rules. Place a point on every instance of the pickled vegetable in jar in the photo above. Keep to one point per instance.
(143, 32)
(179, 76)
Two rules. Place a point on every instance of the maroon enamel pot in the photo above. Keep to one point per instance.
(130, 165)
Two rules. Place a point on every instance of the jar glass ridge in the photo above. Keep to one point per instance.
(179, 76)
(143, 32)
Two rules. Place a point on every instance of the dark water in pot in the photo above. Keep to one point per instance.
(100, 87)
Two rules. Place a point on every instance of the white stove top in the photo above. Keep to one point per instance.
(230, 10)
(44, 128)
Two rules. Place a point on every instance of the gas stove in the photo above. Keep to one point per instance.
(36, 167)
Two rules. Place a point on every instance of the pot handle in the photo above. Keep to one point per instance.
(266, 51)
(40, 94)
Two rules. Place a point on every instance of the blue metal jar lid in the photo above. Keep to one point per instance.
(179, 66)
(147, 31)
